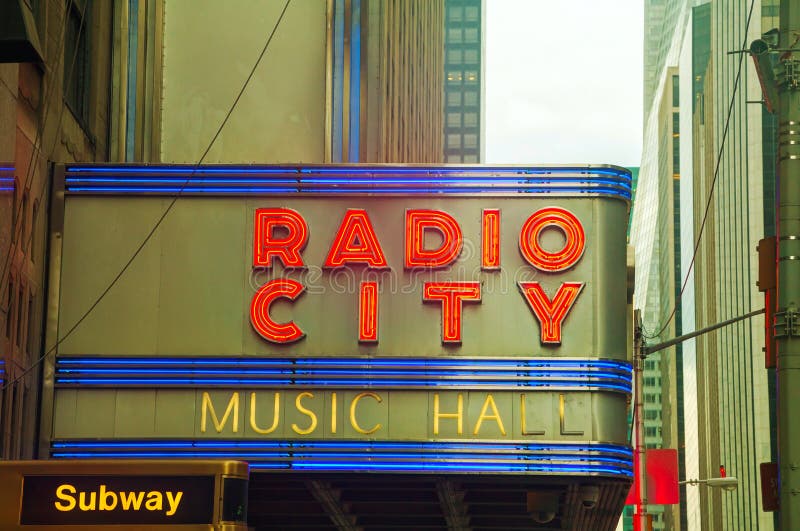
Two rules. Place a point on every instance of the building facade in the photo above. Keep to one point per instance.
(464, 123)
(53, 108)
(708, 179)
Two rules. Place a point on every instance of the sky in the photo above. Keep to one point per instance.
(564, 81)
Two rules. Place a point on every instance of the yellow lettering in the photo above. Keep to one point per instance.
(353, 421)
(523, 415)
(333, 412)
(104, 496)
(275, 415)
(173, 502)
(155, 501)
(233, 407)
(437, 415)
(561, 408)
(83, 505)
(60, 494)
(131, 500)
(489, 402)
(305, 411)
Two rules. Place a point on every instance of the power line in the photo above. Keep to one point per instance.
(713, 181)
(164, 214)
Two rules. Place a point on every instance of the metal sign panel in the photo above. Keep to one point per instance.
(109, 500)
(345, 303)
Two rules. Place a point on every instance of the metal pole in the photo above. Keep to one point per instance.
(787, 330)
(649, 349)
(640, 523)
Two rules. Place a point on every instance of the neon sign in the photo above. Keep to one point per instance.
(281, 234)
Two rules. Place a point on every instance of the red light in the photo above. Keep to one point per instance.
(573, 233)
(259, 311)
(267, 245)
(419, 221)
(722, 472)
(551, 313)
(368, 312)
(356, 242)
(452, 295)
(490, 233)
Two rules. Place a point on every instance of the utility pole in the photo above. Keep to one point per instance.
(640, 353)
(638, 420)
(787, 327)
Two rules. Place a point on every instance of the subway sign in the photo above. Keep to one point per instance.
(351, 308)
(123, 494)
(98, 500)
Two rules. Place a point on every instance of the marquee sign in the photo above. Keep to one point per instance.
(365, 305)
(356, 244)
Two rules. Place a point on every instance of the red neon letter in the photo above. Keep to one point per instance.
(368, 312)
(551, 313)
(573, 233)
(452, 294)
(490, 246)
(417, 222)
(259, 311)
(267, 245)
(356, 242)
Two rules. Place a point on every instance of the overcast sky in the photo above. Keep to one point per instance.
(564, 81)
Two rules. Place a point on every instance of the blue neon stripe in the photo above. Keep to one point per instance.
(371, 465)
(379, 383)
(362, 169)
(381, 373)
(342, 191)
(566, 458)
(366, 362)
(299, 457)
(417, 180)
(355, 445)
(355, 180)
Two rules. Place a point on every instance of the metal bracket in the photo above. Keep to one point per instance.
(786, 323)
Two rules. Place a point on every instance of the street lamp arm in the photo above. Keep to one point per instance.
(726, 483)
(649, 349)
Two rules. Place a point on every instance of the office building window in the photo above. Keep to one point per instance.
(470, 35)
(453, 119)
(454, 141)
(676, 100)
(471, 77)
(76, 61)
(471, 159)
(470, 98)
(455, 13)
(30, 332)
(453, 158)
(454, 36)
(471, 13)
(454, 99)
(454, 57)
(470, 57)
(20, 315)
(9, 311)
(470, 119)
(470, 141)
(454, 77)
(34, 215)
